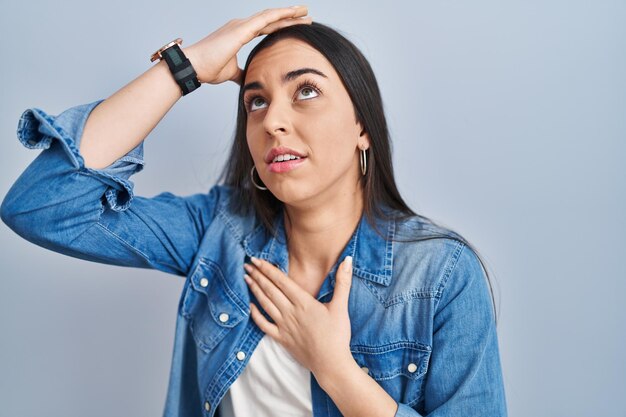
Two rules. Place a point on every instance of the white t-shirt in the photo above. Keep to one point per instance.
(272, 384)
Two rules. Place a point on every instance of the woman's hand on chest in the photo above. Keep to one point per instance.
(316, 334)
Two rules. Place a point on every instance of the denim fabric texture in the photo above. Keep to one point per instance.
(421, 313)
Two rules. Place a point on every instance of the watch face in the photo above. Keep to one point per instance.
(157, 54)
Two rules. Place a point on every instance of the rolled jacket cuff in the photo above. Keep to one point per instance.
(37, 130)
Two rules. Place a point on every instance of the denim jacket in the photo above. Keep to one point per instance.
(421, 314)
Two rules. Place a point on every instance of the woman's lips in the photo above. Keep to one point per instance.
(285, 166)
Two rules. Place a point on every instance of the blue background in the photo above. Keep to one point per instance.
(508, 122)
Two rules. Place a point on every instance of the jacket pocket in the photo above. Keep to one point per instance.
(399, 367)
(210, 306)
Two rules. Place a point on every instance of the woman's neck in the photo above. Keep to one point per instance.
(318, 235)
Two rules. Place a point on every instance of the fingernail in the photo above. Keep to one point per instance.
(347, 266)
(255, 261)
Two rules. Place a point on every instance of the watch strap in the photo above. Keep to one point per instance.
(181, 69)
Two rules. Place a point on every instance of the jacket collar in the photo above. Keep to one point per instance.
(372, 255)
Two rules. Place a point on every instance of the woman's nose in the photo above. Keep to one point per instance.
(276, 119)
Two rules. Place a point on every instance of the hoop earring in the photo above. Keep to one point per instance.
(253, 182)
(363, 161)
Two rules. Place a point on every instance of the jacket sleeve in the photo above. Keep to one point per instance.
(464, 376)
(91, 214)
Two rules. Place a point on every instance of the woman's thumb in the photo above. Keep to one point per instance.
(343, 282)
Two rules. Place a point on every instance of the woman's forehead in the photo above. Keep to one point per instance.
(284, 56)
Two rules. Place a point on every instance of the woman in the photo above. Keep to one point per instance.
(368, 308)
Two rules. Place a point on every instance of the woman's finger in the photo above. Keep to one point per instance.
(263, 323)
(283, 283)
(264, 300)
(281, 12)
(273, 292)
(272, 27)
(255, 24)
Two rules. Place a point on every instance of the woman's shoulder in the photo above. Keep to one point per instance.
(432, 252)
(414, 227)
(236, 211)
(227, 197)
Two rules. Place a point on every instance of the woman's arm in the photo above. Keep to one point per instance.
(124, 120)
(63, 202)
(121, 122)
(61, 205)
(465, 375)
(357, 394)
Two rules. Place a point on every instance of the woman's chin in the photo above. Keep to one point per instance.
(291, 195)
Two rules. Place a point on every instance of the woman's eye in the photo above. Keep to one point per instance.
(305, 93)
(256, 100)
(308, 92)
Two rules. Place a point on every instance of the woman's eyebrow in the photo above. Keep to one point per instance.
(291, 75)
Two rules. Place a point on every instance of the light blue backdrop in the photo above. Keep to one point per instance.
(509, 125)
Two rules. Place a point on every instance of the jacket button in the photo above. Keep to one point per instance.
(241, 355)
(204, 282)
(207, 406)
(412, 367)
(364, 368)
(223, 317)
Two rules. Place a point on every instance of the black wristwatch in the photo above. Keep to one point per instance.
(179, 65)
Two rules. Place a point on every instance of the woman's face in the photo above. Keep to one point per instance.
(310, 112)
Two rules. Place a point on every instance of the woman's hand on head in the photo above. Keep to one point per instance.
(214, 57)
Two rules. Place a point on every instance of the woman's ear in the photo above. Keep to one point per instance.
(364, 138)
